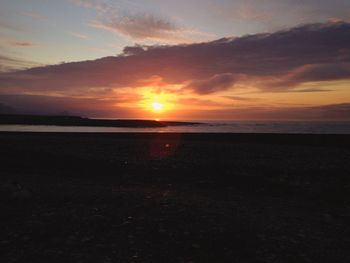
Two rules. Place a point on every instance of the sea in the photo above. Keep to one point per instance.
(210, 126)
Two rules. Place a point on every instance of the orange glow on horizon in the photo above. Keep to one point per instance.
(159, 103)
(167, 103)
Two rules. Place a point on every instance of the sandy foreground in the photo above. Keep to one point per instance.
(174, 198)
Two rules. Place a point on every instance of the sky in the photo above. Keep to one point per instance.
(181, 60)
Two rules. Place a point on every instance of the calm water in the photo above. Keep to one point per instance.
(209, 126)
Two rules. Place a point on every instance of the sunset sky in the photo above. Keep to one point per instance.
(165, 59)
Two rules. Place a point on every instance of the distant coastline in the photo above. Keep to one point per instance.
(17, 119)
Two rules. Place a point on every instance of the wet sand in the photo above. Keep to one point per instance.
(174, 198)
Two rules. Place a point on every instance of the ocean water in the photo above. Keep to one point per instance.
(301, 127)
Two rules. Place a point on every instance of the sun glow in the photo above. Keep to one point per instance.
(159, 103)
(157, 106)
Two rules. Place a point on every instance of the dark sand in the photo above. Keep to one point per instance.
(174, 198)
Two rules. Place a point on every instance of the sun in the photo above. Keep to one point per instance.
(158, 103)
(157, 106)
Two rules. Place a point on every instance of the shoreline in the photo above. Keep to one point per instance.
(77, 121)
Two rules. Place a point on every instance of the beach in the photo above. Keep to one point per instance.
(172, 197)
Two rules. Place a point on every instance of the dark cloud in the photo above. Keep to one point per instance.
(196, 102)
(322, 72)
(5, 109)
(276, 61)
(336, 111)
(239, 98)
(325, 112)
(313, 72)
(217, 82)
(33, 104)
(311, 90)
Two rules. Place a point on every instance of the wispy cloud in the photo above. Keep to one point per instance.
(34, 16)
(311, 90)
(78, 35)
(139, 27)
(100, 6)
(8, 64)
(143, 27)
(239, 98)
(9, 26)
(22, 44)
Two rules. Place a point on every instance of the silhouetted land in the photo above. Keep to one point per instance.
(174, 198)
(80, 121)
